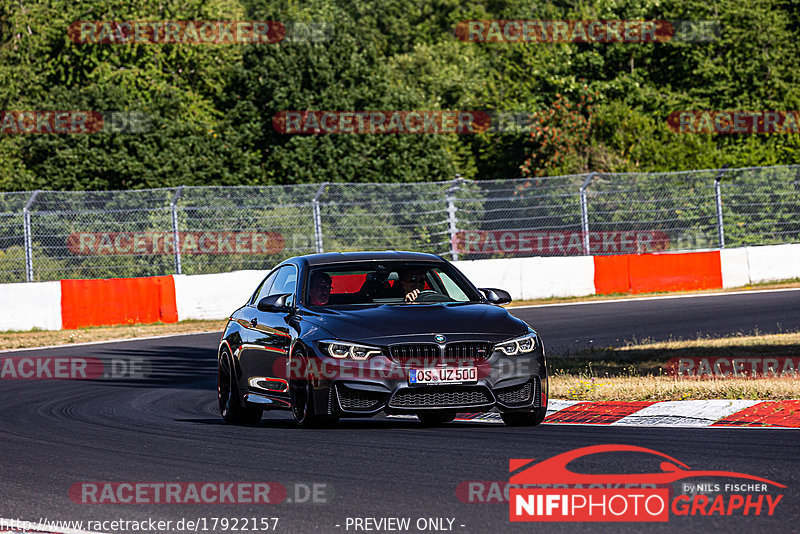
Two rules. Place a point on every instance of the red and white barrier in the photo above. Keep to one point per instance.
(532, 278)
(28, 306)
(214, 296)
(775, 262)
(118, 301)
(734, 267)
(79, 303)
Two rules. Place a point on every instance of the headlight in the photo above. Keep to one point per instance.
(518, 345)
(344, 349)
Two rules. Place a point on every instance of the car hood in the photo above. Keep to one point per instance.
(418, 322)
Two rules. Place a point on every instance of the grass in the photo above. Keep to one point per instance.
(663, 388)
(638, 371)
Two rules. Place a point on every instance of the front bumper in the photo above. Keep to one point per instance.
(381, 384)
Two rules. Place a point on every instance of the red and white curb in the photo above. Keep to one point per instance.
(692, 413)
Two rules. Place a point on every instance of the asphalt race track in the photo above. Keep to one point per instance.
(165, 427)
(566, 328)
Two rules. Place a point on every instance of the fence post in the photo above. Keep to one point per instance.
(585, 214)
(176, 239)
(718, 195)
(452, 221)
(318, 218)
(26, 221)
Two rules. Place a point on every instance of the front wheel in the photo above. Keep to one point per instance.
(230, 405)
(532, 418)
(303, 410)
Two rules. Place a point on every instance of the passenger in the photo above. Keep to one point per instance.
(320, 289)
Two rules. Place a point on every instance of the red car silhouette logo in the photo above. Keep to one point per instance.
(554, 470)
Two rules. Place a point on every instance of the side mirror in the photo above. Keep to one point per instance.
(495, 296)
(274, 303)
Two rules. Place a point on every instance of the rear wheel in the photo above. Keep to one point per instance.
(532, 418)
(230, 405)
(436, 418)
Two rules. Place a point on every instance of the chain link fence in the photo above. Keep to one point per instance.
(50, 235)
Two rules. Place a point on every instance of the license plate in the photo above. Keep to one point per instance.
(446, 375)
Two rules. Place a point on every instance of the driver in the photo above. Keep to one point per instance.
(411, 281)
(320, 289)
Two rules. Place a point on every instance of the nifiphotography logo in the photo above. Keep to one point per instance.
(548, 491)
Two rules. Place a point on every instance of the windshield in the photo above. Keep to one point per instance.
(386, 283)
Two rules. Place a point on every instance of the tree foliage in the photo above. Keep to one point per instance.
(210, 107)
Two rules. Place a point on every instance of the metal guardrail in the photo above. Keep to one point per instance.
(50, 235)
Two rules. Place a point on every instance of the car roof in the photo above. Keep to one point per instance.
(329, 258)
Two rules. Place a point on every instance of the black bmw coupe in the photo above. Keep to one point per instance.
(356, 334)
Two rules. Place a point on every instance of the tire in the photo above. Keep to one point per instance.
(532, 418)
(436, 418)
(302, 399)
(230, 405)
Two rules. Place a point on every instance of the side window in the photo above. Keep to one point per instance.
(263, 289)
(285, 282)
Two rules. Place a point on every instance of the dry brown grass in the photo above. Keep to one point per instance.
(638, 372)
(43, 338)
(747, 343)
(658, 388)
